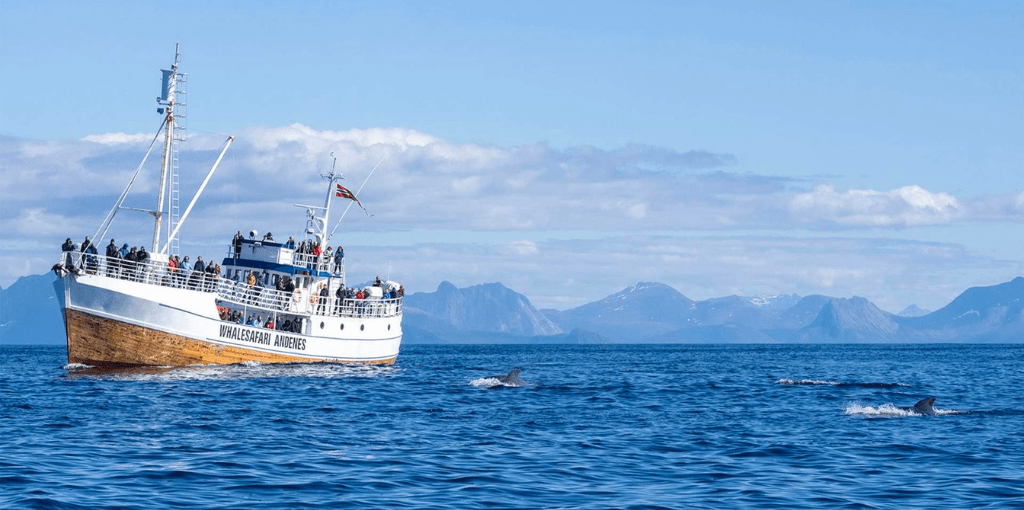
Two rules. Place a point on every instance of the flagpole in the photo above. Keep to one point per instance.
(357, 194)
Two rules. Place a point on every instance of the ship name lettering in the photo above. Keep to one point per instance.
(245, 335)
(290, 342)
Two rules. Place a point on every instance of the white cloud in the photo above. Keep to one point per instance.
(524, 248)
(37, 221)
(55, 189)
(119, 138)
(468, 186)
(637, 211)
(902, 207)
(316, 140)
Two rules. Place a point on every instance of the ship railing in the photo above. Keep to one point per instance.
(306, 260)
(301, 302)
(260, 296)
(317, 262)
(348, 307)
(149, 272)
(238, 293)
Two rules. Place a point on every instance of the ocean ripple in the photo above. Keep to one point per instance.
(648, 426)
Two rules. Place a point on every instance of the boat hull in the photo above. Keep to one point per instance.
(113, 323)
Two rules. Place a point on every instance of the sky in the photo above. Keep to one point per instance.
(565, 149)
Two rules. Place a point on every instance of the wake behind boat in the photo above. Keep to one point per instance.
(266, 301)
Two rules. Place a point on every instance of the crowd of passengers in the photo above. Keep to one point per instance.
(289, 324)
(311, 249)
(128, 263)
(352, 297)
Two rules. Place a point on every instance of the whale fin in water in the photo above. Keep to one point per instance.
(512, 377)
(924, 406)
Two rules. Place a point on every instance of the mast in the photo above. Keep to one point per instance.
(331, 178)
(167, 97)
(321, 223)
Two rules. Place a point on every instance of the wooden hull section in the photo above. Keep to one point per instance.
(107, 343)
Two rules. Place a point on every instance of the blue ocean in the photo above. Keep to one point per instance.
(622, 426)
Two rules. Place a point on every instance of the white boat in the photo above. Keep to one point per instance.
(295, 307)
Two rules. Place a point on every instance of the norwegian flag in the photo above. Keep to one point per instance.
(344, 192)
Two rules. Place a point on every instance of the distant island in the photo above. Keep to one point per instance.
(644, 313)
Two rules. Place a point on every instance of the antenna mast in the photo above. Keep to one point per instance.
(172, 133)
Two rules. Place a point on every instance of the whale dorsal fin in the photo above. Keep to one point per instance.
(512, 374)
(925, 406)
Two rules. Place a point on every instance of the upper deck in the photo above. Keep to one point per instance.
(305, 300)
(252, 254)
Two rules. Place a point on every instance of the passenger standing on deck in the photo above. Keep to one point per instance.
(289, 287)
(65, 248)
(282, 301)
(186, 272)
(86, 244)
(250, 280)
(236, 242)
(321, 305)
(261, 283)
(91, 262)
(290, 244)
(131, 263)
(339, 257)
(179, 273)
(339, 297)
(213, 270)
(113, 259)
(143, 258)
(200, 273)
(172, 269)
(123, 255)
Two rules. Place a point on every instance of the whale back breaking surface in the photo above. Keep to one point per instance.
(511, 378)
(924, 406)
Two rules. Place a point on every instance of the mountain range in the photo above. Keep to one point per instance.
(644, 313)
(656, 313)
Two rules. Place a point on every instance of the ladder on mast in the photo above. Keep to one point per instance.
(179, 134)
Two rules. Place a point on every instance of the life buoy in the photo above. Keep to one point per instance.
(297, 297)
(312, 298)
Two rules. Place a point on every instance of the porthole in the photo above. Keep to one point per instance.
(343, 327)
(362, 327)
(321, 325)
